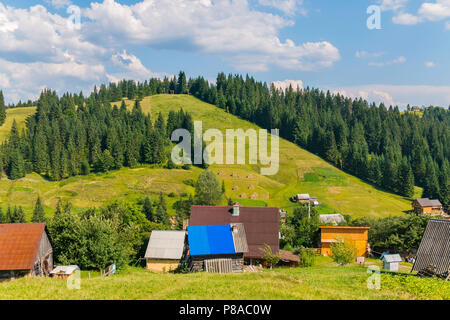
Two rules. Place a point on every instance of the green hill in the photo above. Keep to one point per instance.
(300, 172)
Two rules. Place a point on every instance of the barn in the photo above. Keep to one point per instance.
(25, 250)
(217, 248)
(357, 236)
(165, 250)
(261, 225)
(434, 249)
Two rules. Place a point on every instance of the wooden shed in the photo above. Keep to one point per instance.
(357, 236)
(64, 272)
(25, 250)
(217, 248)
(434, 249)
(391, 261)
(165, 250)
(427, 206)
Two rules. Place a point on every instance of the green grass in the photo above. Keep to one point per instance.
(324, 281)
(300, 172)
(18, 114)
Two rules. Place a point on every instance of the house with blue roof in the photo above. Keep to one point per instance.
(217, 248)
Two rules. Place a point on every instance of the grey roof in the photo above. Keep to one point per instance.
(331, 218)
(166, 245)
(65, 270)
(425, 202)
(239, 238)
(434, 247)
(392, 258)
(303, 196)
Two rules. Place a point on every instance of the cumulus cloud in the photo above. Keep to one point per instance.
(406, 19)
(288, 7)
(394, 5)
(362, 54)
(59, 4)
(283, 85)
(247, 38)
(400, 95)
(430, 64)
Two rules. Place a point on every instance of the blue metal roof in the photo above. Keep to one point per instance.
(206, 240)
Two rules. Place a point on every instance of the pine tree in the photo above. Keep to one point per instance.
(16, 166)
(18, 215)
(2, 216)
(38, 213)
(9, 215)
(406, 179)
(147, 209)
(2, 109)
(161, 211)
(181, 85)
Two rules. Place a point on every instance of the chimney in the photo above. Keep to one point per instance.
(236, 209)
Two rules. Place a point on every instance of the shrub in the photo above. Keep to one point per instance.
(342, 253)
(271, 258)
(307, 257)
(172, 195)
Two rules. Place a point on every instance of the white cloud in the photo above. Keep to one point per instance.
(392, 5)
(59, 4)
(231, 29)
(406, 19)
(362, 54)
(400, 95)
(288, 7)
(400, 59)
(283, 85)
(435, 11)
(430, 64)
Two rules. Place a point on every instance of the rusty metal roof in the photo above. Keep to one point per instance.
(19, 245)
(261, 224)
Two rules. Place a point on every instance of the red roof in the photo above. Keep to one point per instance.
(261, 224)
(19, 245)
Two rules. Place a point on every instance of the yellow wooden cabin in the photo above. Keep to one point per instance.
(356, 236)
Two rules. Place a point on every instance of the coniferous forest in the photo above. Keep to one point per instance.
(72, 134)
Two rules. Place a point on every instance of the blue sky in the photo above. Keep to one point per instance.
(317, 43)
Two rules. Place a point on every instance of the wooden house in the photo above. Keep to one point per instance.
(356, 236)
(391, 261)
(261, 225)
(434, 249)
(217, 248)
(427, 206)
(25, 250)
(165, 250)
(64, 272)
(288, 259)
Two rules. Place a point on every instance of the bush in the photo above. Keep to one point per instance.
(307, 257)
(343, 253)
(172, 195)
(189, 182)
(270, 257)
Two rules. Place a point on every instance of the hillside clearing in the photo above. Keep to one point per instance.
(300, 172)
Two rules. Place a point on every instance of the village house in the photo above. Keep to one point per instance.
(427, 206)
(25, 250)
(261, 225)
(356, 236)
(334, 219)
(64, 272)
(165, 250)
(305, 198)
(217, 248)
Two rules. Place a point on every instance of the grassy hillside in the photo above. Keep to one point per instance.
(300, 172)
(323, 281)
(18, 114)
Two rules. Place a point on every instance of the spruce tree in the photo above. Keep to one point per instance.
(2, 216)
(147, 209)
(2, 109)
(38, 213)
(406, 179)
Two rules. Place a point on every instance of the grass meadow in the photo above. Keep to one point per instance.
(324, 281)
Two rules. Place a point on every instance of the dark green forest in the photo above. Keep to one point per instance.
(73, 134)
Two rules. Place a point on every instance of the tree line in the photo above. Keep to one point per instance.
(384, 146)
(67, 137)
